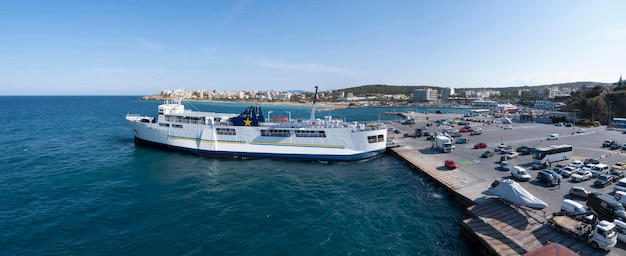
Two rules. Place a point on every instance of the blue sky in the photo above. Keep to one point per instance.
(141, 47)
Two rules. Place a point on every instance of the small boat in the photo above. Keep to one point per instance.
(511, 192)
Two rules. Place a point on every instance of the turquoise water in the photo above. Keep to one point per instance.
(73, 183)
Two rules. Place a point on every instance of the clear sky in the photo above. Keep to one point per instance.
(140, 47)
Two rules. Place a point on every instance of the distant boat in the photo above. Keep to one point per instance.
(248, 136)
(511, 192)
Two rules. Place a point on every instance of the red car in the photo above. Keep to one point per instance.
(480, 145)
(450, 164)
(466, 130)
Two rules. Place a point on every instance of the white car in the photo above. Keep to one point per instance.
(520, 173)
(581, 131)
(568, 170)
(510, 155)
(581, 175)
(620, 185)
(507, 127)
(577, 164)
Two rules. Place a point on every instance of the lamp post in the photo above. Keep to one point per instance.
(608, 121)
(268, 115)
(574, 126)
(289, 112)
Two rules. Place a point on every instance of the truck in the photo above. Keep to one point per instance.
(419, 131)
(598, 234)
(444, 143)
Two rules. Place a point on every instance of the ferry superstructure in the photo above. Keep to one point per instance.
(249, 136)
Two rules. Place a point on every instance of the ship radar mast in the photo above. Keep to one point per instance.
(312, 119)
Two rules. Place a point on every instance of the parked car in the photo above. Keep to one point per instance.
(607, 143)
(504, 166)
(527, 151)
(461, 141)
(480, 145)
(581, 175)
(606, 207)
(567, 171)
(553, 136)
(603, 180)
(507, 127)
(511, 155)
(599, 169)
(501, 148)
(475, 132)
(539, 166)
(520, 173)
(592, 161)
(617, 174)
(487, 154)
(577, 164)
(615, 146)
(620, 185)
(620, 196)
(455, 134)
(450, 164)
(558, 167)
(578, 192)
(548, 178)
(581, 131)
(619, 166)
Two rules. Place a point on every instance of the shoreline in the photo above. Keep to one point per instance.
(330, 105)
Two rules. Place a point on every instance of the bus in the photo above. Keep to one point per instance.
(553, 154)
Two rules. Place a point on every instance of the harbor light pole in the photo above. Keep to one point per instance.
(574, 126)
(608, 121)
(289, 112)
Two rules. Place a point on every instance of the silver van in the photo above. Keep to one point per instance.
(599, 169)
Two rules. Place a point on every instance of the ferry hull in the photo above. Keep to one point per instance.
(249, 155)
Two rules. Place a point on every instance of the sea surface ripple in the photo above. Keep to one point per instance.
(73, 183)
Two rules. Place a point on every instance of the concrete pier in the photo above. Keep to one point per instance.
(502, 229)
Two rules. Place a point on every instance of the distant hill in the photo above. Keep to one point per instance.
(379, 89)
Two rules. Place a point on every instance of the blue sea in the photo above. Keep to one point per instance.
(73, 183)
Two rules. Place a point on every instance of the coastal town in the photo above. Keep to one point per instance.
(583, 103)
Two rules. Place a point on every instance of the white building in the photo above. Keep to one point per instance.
(425, 95)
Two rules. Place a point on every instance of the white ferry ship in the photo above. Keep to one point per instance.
(248, 135)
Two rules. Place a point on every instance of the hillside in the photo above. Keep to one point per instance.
(379, 89)
(596, 104)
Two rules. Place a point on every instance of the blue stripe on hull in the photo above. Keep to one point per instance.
(246, 155)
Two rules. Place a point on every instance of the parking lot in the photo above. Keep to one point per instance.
(586, 145)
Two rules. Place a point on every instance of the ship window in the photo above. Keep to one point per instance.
(177, 126)
(314, 134)
(164, 124)
(376, 139)
(275, 133)
(225, 131)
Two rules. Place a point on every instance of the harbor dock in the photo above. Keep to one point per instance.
(499, 228)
